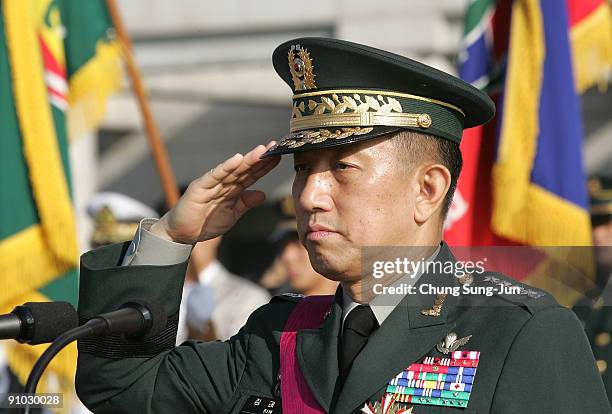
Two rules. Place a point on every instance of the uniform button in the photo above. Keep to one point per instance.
(602, 366)
(602, 339)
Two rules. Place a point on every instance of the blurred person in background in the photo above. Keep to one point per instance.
(116, 217)
(293, 257)
(235, 297)
(198, 308)
(594, 310)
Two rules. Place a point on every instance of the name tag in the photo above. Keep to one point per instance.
(261, 405)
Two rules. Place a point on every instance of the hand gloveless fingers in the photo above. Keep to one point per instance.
(249, 199)
(258, 167)
(220, 172)
(249, 179)
(235, 168)
(251, 160)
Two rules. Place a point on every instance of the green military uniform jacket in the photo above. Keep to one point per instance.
(596, 317)
(534, 356)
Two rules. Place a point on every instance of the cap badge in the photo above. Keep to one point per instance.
(301, 68)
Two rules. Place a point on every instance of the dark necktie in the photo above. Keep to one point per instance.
(358, 325)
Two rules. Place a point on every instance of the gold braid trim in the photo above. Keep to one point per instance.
(321, 135)
(378, 92)
(356, 110)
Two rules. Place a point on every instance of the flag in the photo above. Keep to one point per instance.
(58, 62)
(590, 33)
(523, 181)
(482, 63)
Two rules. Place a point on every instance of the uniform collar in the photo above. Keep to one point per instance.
(383, 305)
(412, 329)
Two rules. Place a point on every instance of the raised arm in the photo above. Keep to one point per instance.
(115, 374)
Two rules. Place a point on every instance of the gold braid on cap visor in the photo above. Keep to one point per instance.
(360, 107)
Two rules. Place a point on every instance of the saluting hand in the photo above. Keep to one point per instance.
(215, 201)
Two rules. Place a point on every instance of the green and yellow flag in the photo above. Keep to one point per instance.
(58, 63)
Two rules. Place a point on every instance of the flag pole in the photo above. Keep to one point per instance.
(160, 156)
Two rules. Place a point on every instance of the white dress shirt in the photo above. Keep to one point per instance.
(383, 305)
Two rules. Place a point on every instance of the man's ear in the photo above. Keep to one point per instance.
(433, 183)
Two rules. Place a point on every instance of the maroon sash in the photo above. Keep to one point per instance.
(296, 396)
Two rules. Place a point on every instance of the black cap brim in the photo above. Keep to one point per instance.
(285, 147)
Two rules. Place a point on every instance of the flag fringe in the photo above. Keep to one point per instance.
(591, 43)
(517, 141)
(544, 219)
(40, 145)
(25, 257)
(90, 87)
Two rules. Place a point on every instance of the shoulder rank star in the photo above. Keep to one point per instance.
(450, 343)
(386, 406)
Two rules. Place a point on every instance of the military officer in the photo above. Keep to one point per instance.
(116, 217)
(374, 138)
(595, 311)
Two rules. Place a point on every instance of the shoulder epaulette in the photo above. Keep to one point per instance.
(529, 297)
(291, 297)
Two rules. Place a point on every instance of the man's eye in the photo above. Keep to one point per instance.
(342, 166)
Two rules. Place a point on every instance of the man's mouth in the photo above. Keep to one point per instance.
(319, 232)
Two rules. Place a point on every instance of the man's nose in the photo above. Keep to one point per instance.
(316, 192)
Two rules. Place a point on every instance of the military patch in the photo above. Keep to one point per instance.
(293, 295)
(261, 405)
(290, 297)
(450, 343)
(532, 293)
(437, 381)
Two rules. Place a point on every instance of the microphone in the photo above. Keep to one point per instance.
(137, 319)
(38, 322)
